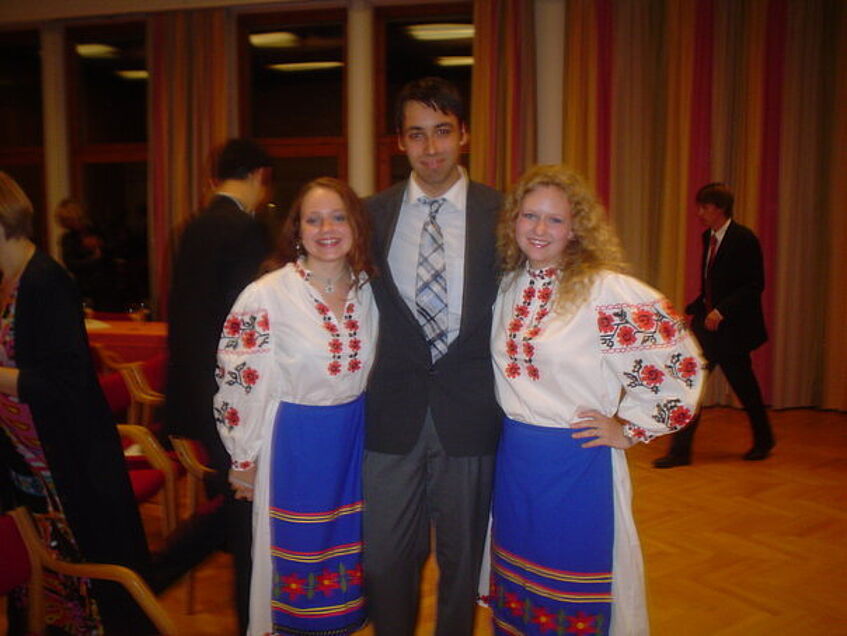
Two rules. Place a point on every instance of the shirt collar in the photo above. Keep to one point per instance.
(721, 231)
(456, 196)
(235, 200)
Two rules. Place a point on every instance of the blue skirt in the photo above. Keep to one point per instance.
(552, 533)
(316, 519)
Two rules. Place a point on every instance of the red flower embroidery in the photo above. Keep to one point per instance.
(293, 586)
(334, 367)
(544, 294)
(250, 376)
(688, 367)
(515, 325)
(327, 582)
(680, 417)
(354, 365)
(263, 323)
(528, 294)
(350, 308)
(545, 619)
(355, 344)
(532, 372)
(351, 325)
(232, 417)
(651, 376)
(582, 624)
(513, 370)
(330, 327)
(354, 575)
(248, 339)
(232, 326)
(522, 311)
(605, 323)
(323, 310)
(644, 320)
(335, 346)
(533, 332)
(667, 330)
(637, 432)
(242, 465)
(626, 336)
(511, 347)
(528, 350)
(513, 604)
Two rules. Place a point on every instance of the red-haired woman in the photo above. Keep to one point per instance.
(293, 362)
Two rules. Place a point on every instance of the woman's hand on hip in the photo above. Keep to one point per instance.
(606, 431)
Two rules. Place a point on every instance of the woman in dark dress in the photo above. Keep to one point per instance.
(60, 445)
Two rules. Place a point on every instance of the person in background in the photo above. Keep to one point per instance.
(83, 256)
(432, 421)
(588, 362)
(219, 253)
(727, 317)
(61, 450)
(293, 362)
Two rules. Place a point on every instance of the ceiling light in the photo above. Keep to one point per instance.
(96, 50)
(137, 74)
(294, 67)
(455, 60)
(440, 31)
(275, 40)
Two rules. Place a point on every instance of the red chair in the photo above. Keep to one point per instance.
(23, 558)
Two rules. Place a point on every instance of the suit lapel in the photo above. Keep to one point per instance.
(479, 246)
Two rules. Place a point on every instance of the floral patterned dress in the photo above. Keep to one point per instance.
(565, 556)
(291, 380)
(70, 605)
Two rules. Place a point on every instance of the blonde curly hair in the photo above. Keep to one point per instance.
(593, 248)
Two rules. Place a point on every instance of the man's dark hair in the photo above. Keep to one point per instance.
(718, 194)
(435, 92)
(239, 158)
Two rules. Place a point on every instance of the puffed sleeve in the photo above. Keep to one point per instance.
(246, 373)
(647, 347)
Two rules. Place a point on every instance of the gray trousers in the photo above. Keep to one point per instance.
(407, 496)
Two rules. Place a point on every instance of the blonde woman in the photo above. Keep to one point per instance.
(588, 362)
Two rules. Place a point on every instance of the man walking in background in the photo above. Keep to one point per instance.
(728, 318)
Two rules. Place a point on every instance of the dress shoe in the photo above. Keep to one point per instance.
(757, 454)
(670, 461)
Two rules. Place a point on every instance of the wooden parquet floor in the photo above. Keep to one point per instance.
(731, 547)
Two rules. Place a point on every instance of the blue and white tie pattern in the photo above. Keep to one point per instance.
(431, 281)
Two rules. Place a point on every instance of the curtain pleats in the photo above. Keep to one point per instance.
(191, 113)
(503, 117)
(663, 96)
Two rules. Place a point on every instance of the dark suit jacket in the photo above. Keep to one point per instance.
(738, 279)
(459, 388)
(218, 256)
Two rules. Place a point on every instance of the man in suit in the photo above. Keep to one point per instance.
(219, 254)
(432, 420)
(727, 317)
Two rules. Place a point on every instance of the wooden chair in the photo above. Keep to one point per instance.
(23, 558)
(159, 475)
(109, 360)
(143, 399)
(188, 453)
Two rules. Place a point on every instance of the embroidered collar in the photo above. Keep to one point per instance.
(541, 275)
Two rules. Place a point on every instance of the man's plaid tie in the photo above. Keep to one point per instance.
(431, 281)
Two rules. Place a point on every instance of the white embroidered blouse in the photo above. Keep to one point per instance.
(625, 351)
(281, 342)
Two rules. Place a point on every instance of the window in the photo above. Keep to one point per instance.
(293, 70)
(415, 42)
(21, 127)
(107, 92)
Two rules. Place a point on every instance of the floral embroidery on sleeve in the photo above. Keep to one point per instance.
(648, 376)
(626, 327)
(227, 416)
(684, 368)
(246, 332)
(243, 376)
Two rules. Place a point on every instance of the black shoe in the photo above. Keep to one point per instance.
(757, 454)
(670, 461)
